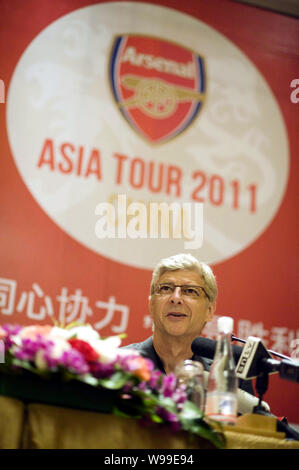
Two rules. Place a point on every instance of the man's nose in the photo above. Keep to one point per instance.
(176, 296)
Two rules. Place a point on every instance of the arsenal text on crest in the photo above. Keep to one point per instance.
(159, 86)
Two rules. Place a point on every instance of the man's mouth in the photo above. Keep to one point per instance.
(176, 315)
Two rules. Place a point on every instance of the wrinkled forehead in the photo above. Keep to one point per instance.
(181, 276)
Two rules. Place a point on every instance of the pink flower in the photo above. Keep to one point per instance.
(32, 332)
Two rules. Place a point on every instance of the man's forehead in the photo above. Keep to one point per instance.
(181, 276)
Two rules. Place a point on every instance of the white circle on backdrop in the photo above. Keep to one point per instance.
(238, 143)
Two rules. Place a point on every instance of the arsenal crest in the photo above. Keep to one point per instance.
(159, 86)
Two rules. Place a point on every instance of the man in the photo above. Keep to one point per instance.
(182, 300)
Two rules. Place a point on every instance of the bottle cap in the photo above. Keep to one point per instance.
(225, 324)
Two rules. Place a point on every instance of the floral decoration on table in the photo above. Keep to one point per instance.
(79, 353)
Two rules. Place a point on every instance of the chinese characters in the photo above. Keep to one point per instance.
(72, 307)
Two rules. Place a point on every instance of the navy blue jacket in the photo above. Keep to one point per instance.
(146, 349)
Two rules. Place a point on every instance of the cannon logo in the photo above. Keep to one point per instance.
(159, 86)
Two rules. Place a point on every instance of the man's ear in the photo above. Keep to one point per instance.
(150, 309)
(150, 305)
(211, 310)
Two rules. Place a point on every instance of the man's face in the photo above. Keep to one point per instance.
(180, 315)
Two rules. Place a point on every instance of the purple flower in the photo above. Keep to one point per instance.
(100, 370)
(11, 330)
(142, 386)
(154, 381)
(169, 383)
(74, 361)
(169, 417)
(51, 361)
(29, 348)
(128, 363)
(180, 394)
(128, 387)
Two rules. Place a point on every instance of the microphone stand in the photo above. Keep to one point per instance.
(261, 387)
(282, 356)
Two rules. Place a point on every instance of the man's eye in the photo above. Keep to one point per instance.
(191, 291)
(165, 288)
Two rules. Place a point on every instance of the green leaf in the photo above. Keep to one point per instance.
(204, 430)
(122, 335)
(167, 403)
(116, 381)
(26, 365)
(129, 408)
(67, 375)
(190, 411)
(156, 419)
(215, 438)
(89, 379)
(118, 412)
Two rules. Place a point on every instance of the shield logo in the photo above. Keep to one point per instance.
(159, 86)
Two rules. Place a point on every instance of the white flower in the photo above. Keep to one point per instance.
(111, 342)
(57, 332)
(40, 361)
(107, 348)
(85, 333)
(59, 347)
(17, 340)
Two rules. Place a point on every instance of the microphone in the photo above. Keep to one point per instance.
(248, 403)
(255, 359)
(274, 353)
(251, 360)
(206, 347)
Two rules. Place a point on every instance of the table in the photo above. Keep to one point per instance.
(41, 426)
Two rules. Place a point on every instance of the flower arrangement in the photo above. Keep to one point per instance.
(79, 353)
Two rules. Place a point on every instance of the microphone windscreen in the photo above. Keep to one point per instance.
(206, 347)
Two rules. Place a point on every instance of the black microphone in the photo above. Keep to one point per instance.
(251, 360)
(248, 403)
(206, 347)
(274, 353)
(255, 359)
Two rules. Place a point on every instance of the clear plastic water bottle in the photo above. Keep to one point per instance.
(221, 399)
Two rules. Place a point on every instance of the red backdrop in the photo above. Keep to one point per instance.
(258, 285)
